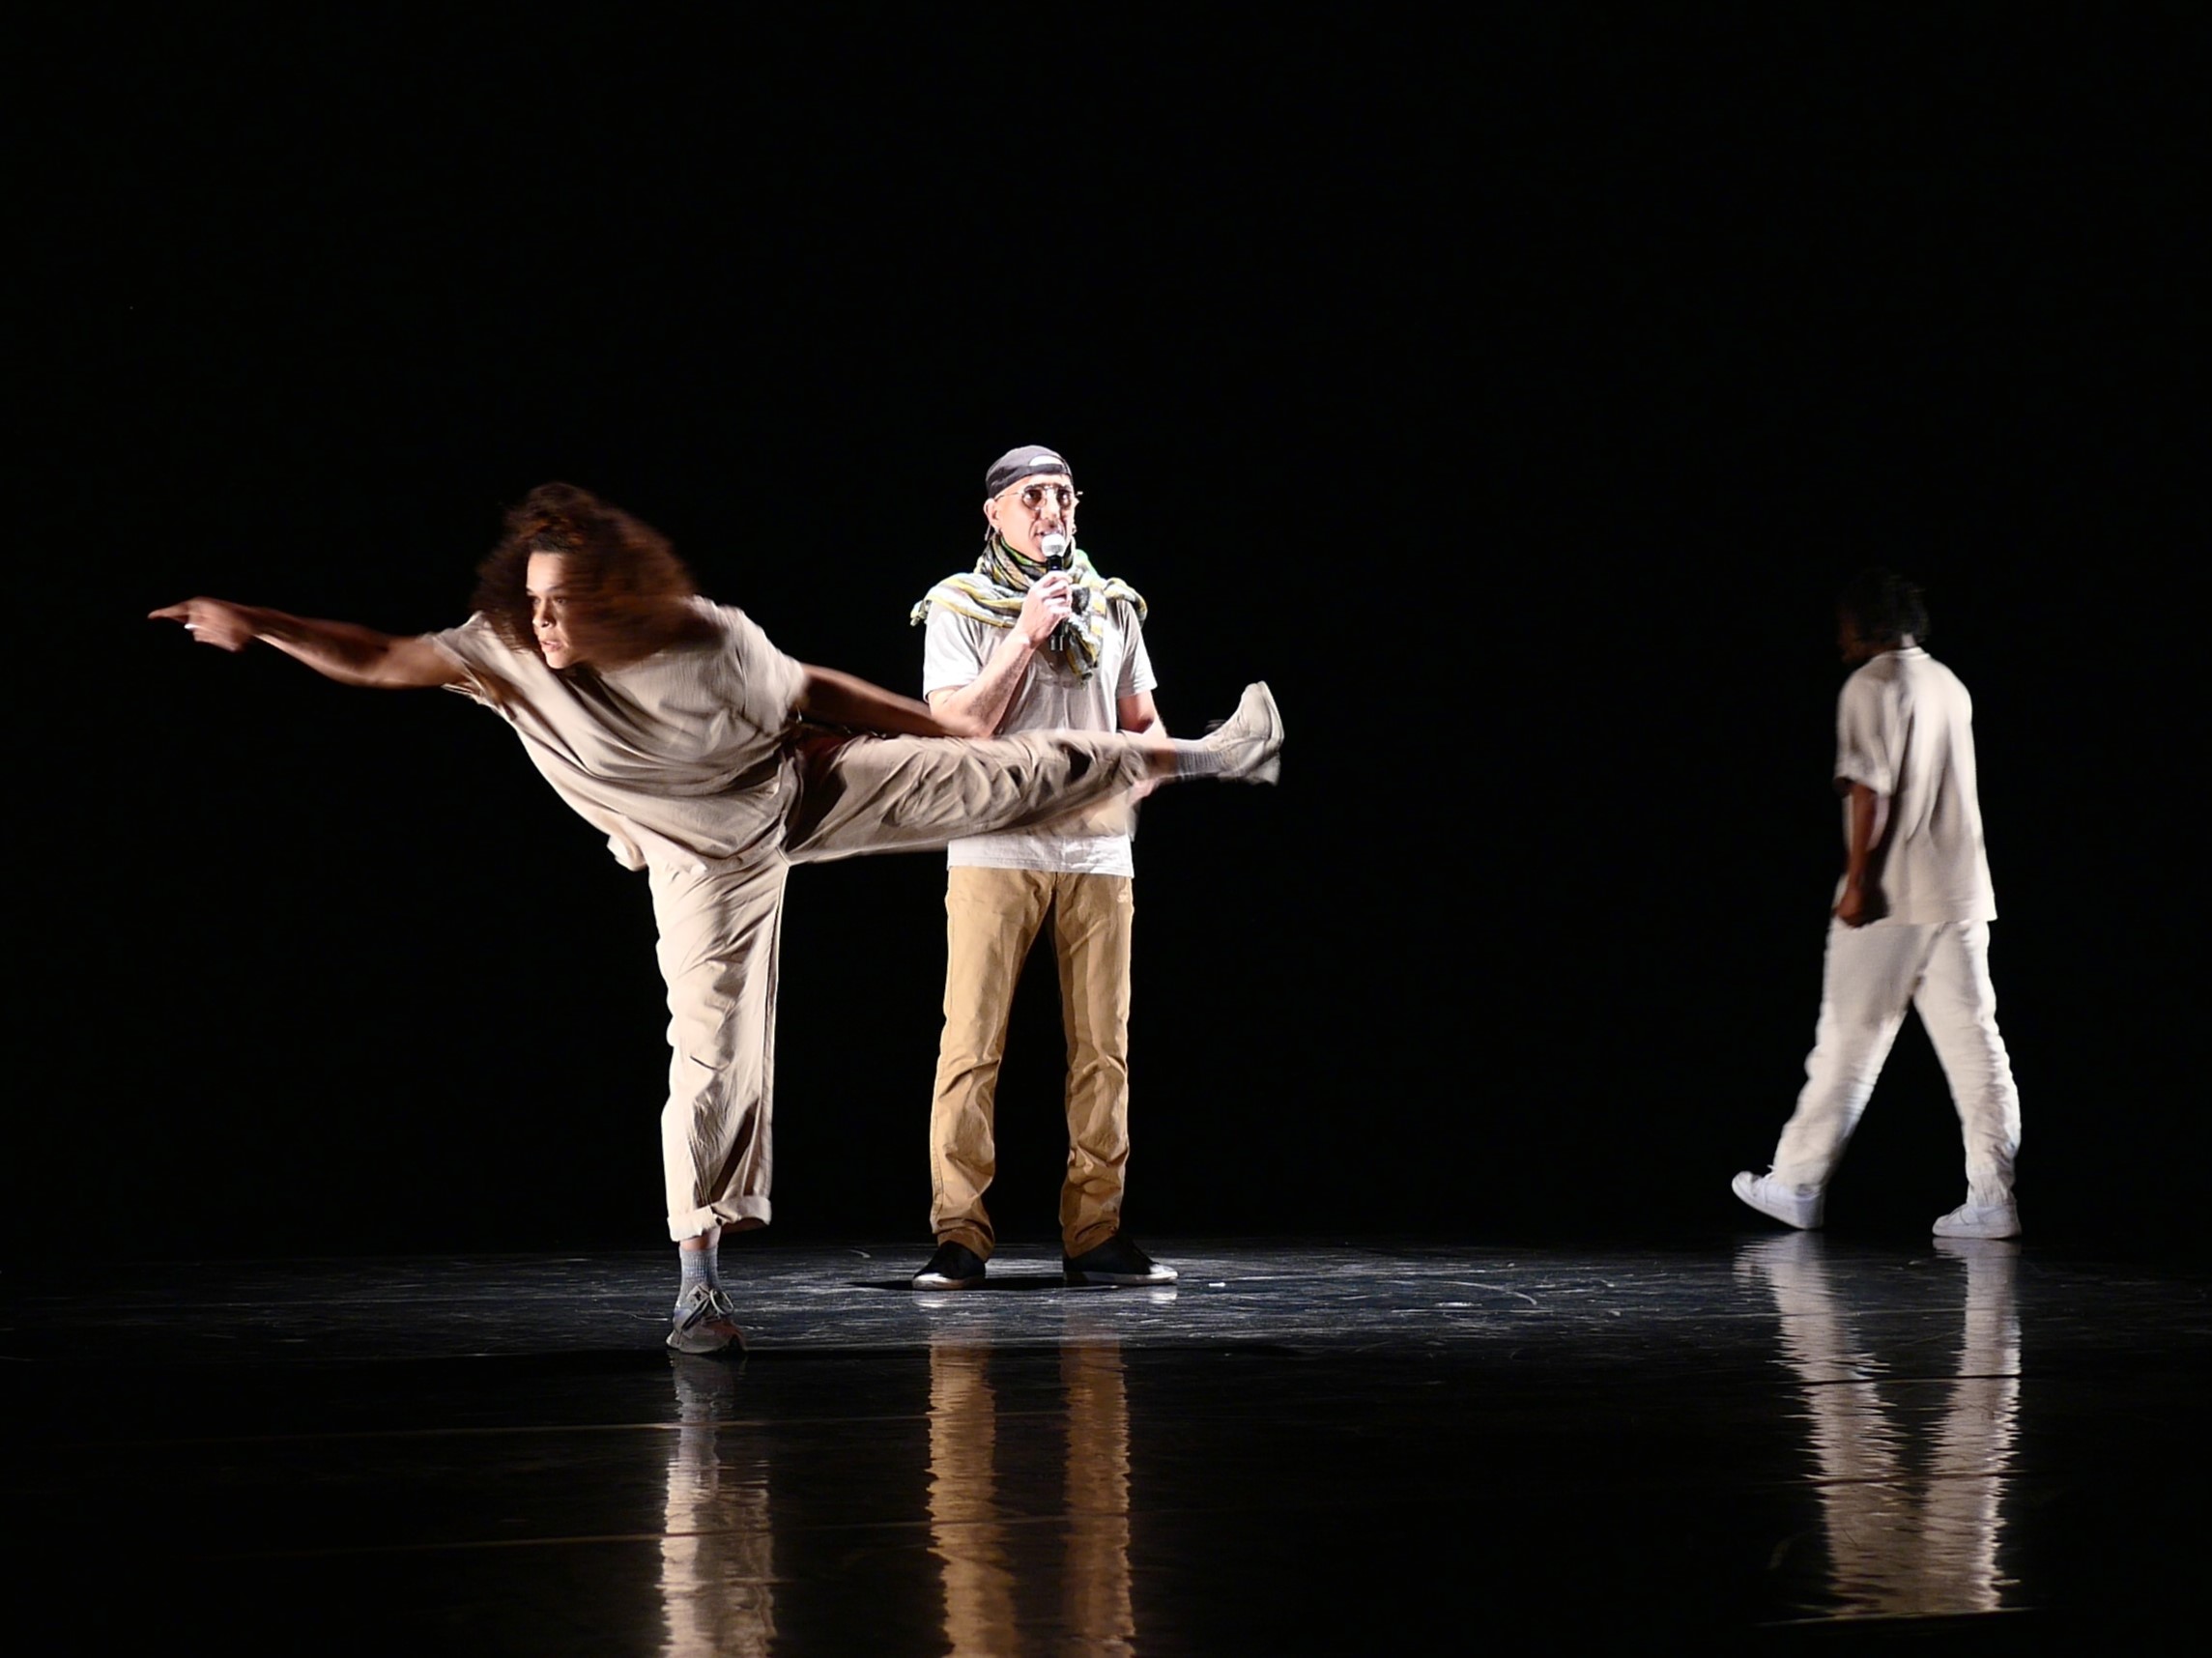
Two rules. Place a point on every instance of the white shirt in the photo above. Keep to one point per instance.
(1904, 729)
(1049, 698)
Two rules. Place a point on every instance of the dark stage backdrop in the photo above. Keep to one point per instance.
(1512, 400)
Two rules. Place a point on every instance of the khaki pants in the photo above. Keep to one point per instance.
(992, 919)
(720, 923)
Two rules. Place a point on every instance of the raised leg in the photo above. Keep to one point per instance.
(907, 794)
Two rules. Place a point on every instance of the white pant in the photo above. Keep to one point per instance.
(1872, 973)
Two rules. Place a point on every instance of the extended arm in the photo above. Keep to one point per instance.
(343, 652)
(842, 700)
(1859, 903)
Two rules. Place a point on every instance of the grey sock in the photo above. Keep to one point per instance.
(699, 1267)
(1193, 759)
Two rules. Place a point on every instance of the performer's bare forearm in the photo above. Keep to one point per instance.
(846, 699)
(344, 652)
(1866, 827)
(1858, 902)
(978, 709)
(352, 654)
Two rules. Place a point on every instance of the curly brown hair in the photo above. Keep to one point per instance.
(624, 579)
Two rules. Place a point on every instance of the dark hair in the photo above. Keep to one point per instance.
(622, 572)
(1884, 606)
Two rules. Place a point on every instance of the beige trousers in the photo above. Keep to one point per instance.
(992, 919)
(720, 923)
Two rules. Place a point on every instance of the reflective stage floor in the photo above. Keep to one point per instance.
(1779, 1440)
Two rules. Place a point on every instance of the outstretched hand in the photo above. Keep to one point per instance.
(210, 621)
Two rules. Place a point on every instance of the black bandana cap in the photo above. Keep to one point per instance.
(1014, 465)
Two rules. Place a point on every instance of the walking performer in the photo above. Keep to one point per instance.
(1034, 638)
(1910, 923)
(713, 761)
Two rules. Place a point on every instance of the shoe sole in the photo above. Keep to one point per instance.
(927, 1281)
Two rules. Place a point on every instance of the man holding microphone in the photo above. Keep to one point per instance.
(1034, 638)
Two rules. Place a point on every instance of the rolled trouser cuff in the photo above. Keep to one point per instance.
(730, 1211)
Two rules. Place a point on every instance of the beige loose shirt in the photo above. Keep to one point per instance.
(677, 759)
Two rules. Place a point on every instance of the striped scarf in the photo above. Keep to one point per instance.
(991, 593)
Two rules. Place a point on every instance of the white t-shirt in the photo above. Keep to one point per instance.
(1049, 698)
(1904, 729)
(676, 758)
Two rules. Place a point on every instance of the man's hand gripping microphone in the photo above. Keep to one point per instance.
(1054, 546)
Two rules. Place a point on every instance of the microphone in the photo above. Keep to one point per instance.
(1054, 546)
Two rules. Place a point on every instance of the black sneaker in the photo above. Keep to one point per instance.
(1116, 1261)
(954, 1266)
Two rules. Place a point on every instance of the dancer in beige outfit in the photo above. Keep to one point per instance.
(713, 761)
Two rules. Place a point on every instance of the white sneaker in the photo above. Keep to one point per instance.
(1788, 1204)
(1972, 1219)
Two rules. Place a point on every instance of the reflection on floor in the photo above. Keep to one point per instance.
(717, 1575)
(973, 1529)
(1297, 1449)
(1907, 1536)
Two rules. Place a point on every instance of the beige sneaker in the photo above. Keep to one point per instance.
(1249, 741)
